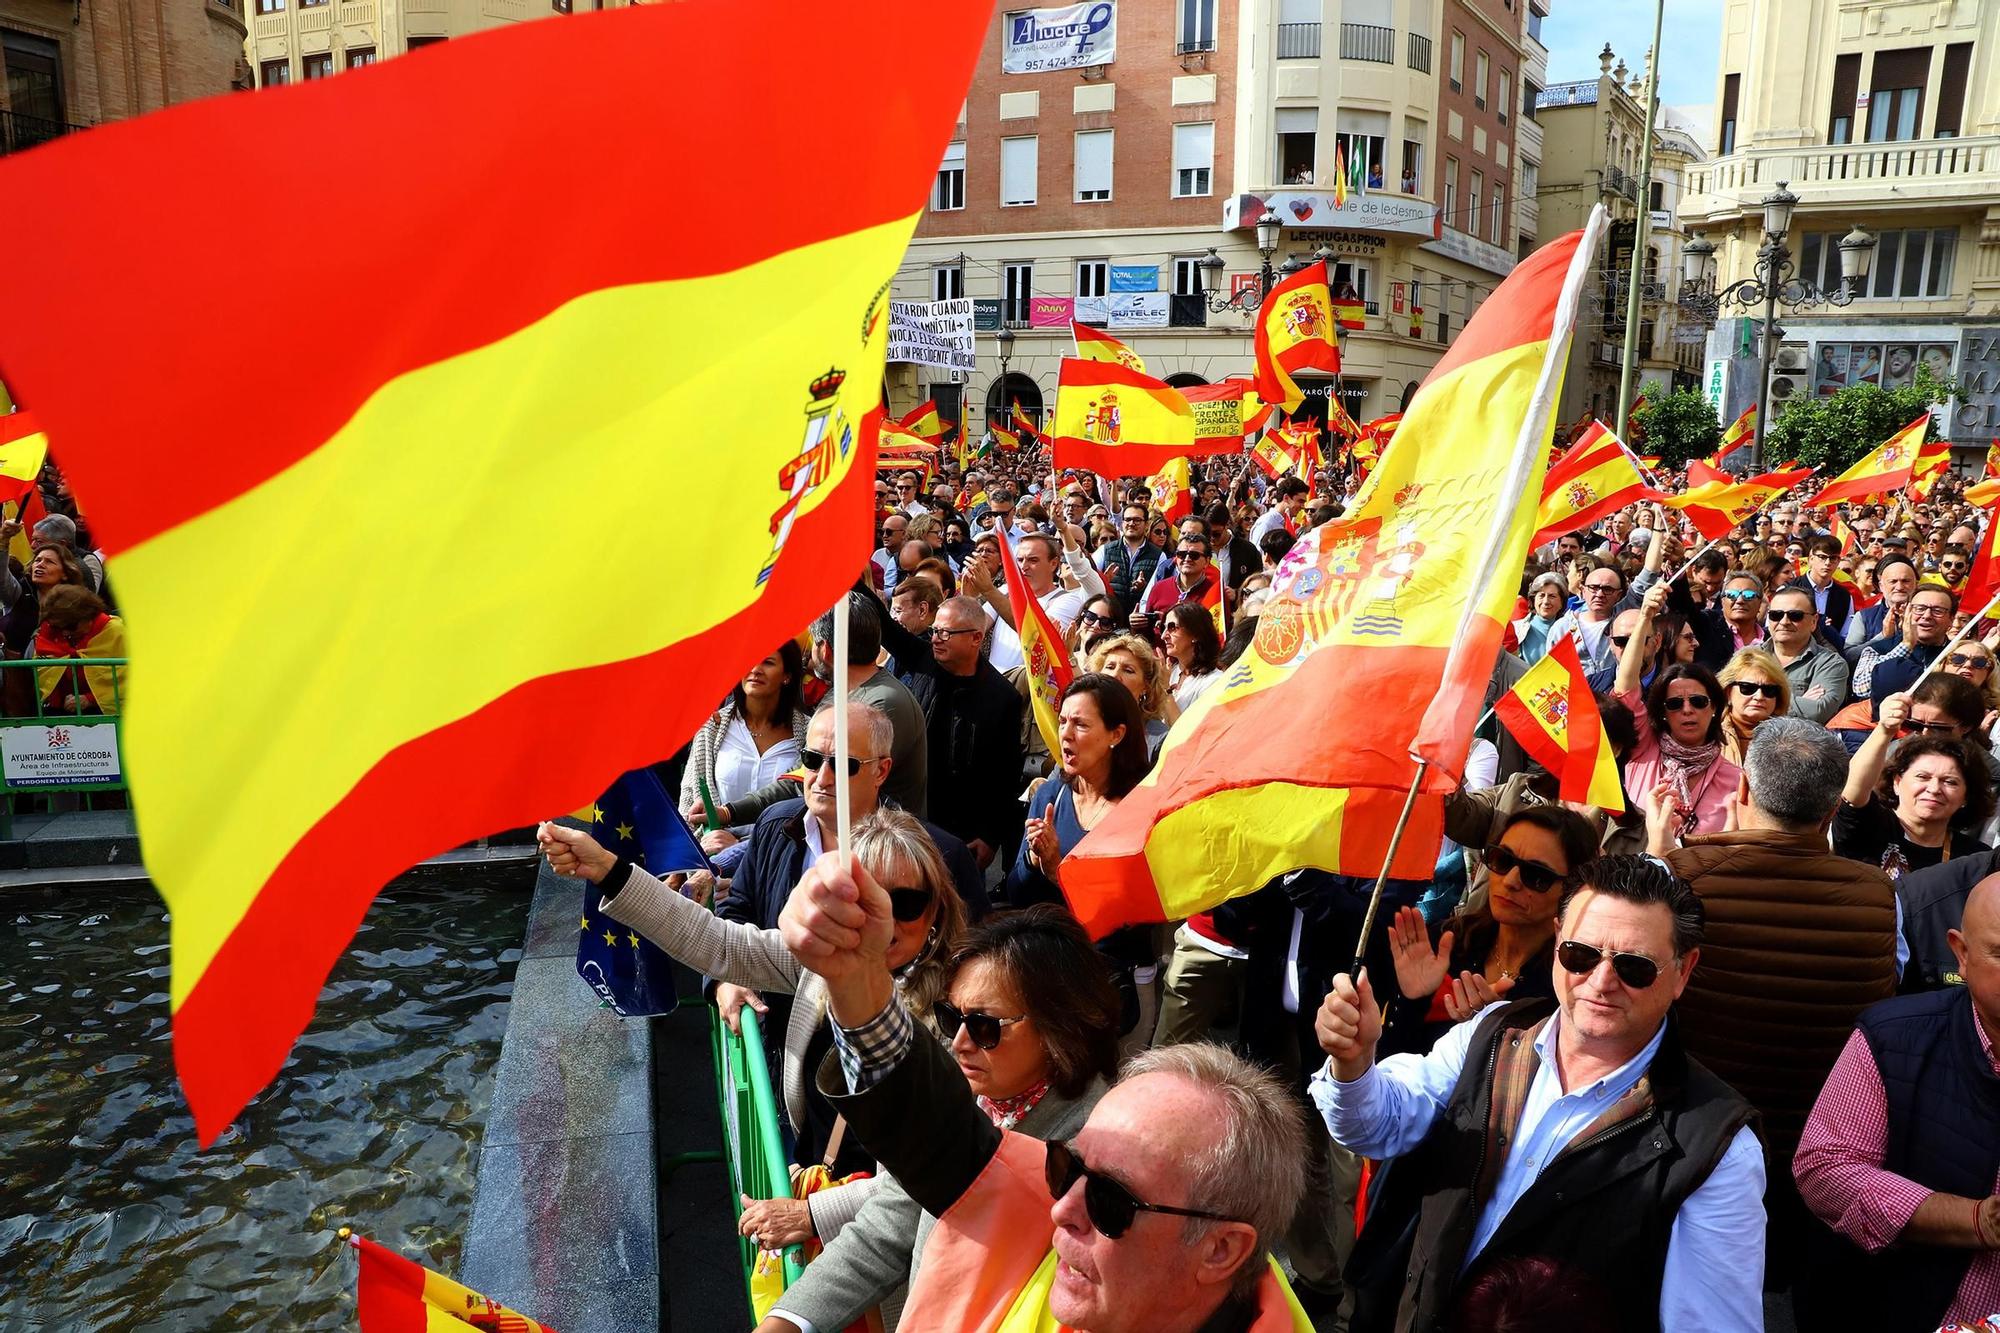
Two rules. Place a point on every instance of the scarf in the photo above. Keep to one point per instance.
(50, 642)
(1685, 767)
(1006, 1112)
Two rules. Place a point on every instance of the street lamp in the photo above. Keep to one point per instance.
(1248, 298)
(1005, 340)
(1772, 282)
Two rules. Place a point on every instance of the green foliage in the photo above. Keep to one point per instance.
(1677, 426)
(1833, 433)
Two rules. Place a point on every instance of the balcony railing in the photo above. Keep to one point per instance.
(1298, 41)
(1948, 163)
(1192, 45)
(1420, 53)
(19, 133)
(1366, 41)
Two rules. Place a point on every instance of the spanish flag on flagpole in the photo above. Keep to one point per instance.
(1119, 423)
(1339, 174)
(1024, 429)
(397, 1295)
(1294, 333)
(1740, 433)
(1393, 614)
(1552, 712)
(1887, 468)
(1097, 345)
(924, 421)
(275, 755)
(1716, 507)
(1932, 460)
(1993, 460)
(1042, 650)
(1598, 476)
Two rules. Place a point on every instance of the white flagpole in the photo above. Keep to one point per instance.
(844, 837)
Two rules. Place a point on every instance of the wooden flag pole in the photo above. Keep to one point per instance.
(1395, 842)
(843, 824)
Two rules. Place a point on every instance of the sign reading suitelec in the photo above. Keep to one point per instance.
(1069, 37)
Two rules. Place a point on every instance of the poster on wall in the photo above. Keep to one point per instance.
(1830, 365)
(1050, 312)
(1068, 37)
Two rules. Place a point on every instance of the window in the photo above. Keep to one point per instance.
(1457, 61)
(1187, 276)
(1093, 166)
(1951, 92)
(1535, 17)
(1450, 188)
(948, 194)
(1481, 66)
(34, 84)
(1364, 140)
(947, 282)
(1504, 103)
(1896, 94)
(1298, 140)
(1019, 165)
(1725, 139)
(1195, 30)
(1350, 278)
(1413, 156)
(359, 56)
(270, 6)
(1846, 87)
(272, 73)
(1093, 277)
(318, 65)
(1017, 285)
(419, 43)
(1469, 224)
(1499, 213)
(1531, 177)
(1194, 160)
(1656, 197)
(1530, 90)
(1912, 264)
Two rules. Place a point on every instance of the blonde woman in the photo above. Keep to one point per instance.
(1138, 666)
(1975, 662)
(1755, 689)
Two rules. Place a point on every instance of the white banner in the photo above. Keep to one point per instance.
(932, 333)
(1069, 37)
(1137, 310)
(59, 756)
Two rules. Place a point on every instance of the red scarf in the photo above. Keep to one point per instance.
(49, 642)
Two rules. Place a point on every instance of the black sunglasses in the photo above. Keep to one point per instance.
(1681, 703)
(813, 759)
(909, 904)
(986, 1030)
(1110, 1205)
(1191, 554)
(1793, 616)
(1747, 688)
(1634, 969)
(1092, 618)
(1912, 727)
(1535, 877)
(1620, 640)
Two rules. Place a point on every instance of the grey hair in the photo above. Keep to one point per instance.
(1736, 575)
(1796, 770)
(57, 527)
(1550, 579)
(1254, 1167)
(865, 718)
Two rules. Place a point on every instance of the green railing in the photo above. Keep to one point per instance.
(58, 760)
(752, 1145)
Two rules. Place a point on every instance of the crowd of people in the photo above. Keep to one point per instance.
(55, 604)
(1631, 1070)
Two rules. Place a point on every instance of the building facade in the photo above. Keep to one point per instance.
(1098, 192)
(70, 64)
(1885, 115)
(311, 39)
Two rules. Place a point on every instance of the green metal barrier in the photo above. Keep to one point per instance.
(752, 1145)
(41, 714)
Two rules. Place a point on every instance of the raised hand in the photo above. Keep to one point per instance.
(838, 923)
(1471, 993)
(574, 853)
(1420, 967)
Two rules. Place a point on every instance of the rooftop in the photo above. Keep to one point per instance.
(1583, 92)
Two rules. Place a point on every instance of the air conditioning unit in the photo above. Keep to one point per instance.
(1792, 357)
(1784, 386)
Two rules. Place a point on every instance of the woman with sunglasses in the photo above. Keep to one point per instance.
(1100, 619)
(1911, 800)
(1679, 728)
(1138, 666)
(1030, 1017)
(1973, 661)
(1193, 649)
(1758, 690)
(930, 924)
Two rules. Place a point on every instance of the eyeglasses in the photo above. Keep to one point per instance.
(1928, 609)
(1601, 587)
(909, 904)
(939, 632)
(1793, 616)
(1110, 1205)
(813, 760)
(1682, 703)
(1535, 877)
(986, 1030)
(1742, 594)
(1634, 969)
(1135, 518)
(1751, 688)
(1967, 662)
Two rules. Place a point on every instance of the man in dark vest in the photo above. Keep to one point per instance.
(1572, 1133)
(1901, 1155)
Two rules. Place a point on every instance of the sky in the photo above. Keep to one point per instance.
(1576, 30)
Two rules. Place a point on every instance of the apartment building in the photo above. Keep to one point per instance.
(1128, 191)
(312, 39)
(1883, 115)
(71, 64)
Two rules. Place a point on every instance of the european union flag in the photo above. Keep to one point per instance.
(637, 820)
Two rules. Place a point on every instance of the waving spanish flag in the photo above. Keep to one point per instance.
(1993, 460)
(396, 1295)
(1042, 650)
(1887, 467)
(275, 757)
(1716, 507)
(1272, 455)
(1981, 493)
(924, 421)
(1740, 433)
(1932, 462)
(1294, 333)
(1982, 580)
(1173, 495)
(1024, 429)
(1120, 423)
(1097, 345)
(1394, 614)
(1552, 712)
(1598, 476)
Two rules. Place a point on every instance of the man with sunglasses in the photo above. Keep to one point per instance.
(1817, 671)
(1575, 1130)
(1157, 1216)
(895, 529)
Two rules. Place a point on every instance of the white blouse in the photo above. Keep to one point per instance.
(740, 770)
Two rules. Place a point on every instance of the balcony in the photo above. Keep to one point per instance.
(1298, 41)
(19, 133)
(1420, 53)
(1366, 41)
(1955, 170)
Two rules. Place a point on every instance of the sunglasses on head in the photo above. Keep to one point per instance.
(908, 904)
(1682, 703)
(813, 759)
(1793, 616)
(1751, 688)
(1633, 969)
(1535, 877)
(986, 1030)
(1110, 1205)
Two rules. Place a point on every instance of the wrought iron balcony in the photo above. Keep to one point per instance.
(19, 133)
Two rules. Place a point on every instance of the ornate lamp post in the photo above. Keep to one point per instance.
(1248, 298)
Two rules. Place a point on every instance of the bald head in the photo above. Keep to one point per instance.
(1976, 945)
(1982, 911)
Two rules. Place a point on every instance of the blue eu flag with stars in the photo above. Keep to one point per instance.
(637, 820)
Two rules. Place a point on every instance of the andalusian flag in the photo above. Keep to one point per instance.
(1225, 414)
(1887, 468)
(1173, 492)
(1120, 423)
(1393, 614)
(373, 497)
(1740, 433)
(395, 1295)
(1097, 345)
(1552, 712)
(924, 421)
(1294, 333)
(1598, 476)
(1042, 650)
(1716, 507)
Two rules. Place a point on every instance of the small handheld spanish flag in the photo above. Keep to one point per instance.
(1741, 432)
(1552, 712)
(395, 1294)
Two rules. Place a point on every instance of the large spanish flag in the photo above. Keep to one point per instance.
(1384, 624)
(1598, 476)
(397, 1295)
(376, 664)
(1294, 333)
(1119, 423)
(1097, 345)
(1740, 433)
(1552, 712)
(1887, 467)
(1042, 650)
(1716, 507)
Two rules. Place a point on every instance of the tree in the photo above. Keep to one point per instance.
(1677, 426)
(1833, 433)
